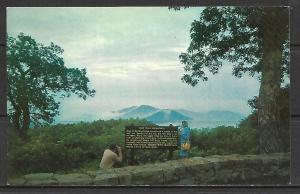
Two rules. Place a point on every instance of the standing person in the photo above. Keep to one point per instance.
(111, 156)
(184, 140)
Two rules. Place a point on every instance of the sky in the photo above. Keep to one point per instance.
(131, 55)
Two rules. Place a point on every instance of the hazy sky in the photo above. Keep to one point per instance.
(131, 58)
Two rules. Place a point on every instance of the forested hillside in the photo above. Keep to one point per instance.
(79, 147)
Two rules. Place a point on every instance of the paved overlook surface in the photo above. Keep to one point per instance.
(230, 169)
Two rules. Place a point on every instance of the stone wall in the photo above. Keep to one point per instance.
(229, 169)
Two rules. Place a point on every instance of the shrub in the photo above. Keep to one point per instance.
(225, 140)
(75, 147)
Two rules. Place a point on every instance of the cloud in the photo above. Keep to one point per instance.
(131, 58)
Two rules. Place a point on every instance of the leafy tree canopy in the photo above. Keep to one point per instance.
(37, 79)
(254, 40)
(236, 35)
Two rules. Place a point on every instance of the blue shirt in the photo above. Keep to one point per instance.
(185, 135)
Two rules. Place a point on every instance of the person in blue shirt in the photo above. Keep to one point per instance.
(185, 133)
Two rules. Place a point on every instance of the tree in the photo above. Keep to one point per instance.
(37, 79)
(255, 40)
(284, 116)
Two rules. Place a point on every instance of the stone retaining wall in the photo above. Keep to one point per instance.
(229, 169)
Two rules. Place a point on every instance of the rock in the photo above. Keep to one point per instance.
(92, 174)
(106, 179)
(39, 176)
(186, 180)
(230, 169)
(115, 176)
(173, 171)
(44, 182)
(250, 174)
(199, 171)
(41, 179)
(224, 176)
(74, 179)
(170, 175)
(148, 176)
(125, 177)
(16, 181)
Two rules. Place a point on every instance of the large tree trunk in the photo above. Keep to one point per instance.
(16, 120)
(26, 122)
(24, 106)
(18, 123)
(268, 107)
(21, 119)
(21, 123)
(268, 110)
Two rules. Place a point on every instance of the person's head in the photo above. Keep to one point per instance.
(184, 124)
(113, 147)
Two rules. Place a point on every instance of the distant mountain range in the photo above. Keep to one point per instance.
(167, 116)
(157, 115)
(142, 111)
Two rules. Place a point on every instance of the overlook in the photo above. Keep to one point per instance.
(208, 84)
(229, 169)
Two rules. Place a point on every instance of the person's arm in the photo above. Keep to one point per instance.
(119, 157)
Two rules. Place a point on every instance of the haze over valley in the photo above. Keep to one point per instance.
(205, 119)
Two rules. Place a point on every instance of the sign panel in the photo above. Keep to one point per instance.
(151, 137)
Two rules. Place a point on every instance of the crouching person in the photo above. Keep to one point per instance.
(111, 156)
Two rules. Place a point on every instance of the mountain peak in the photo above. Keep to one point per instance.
(141, 111)
(126, 109)
(147, 107)
(157, 115)
(167, 115)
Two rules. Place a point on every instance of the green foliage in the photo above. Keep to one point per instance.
(283, 122)
(237, 35)
(247, 38)
(224, 140)
(79, 147)
(66, 147)
(37, 78)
